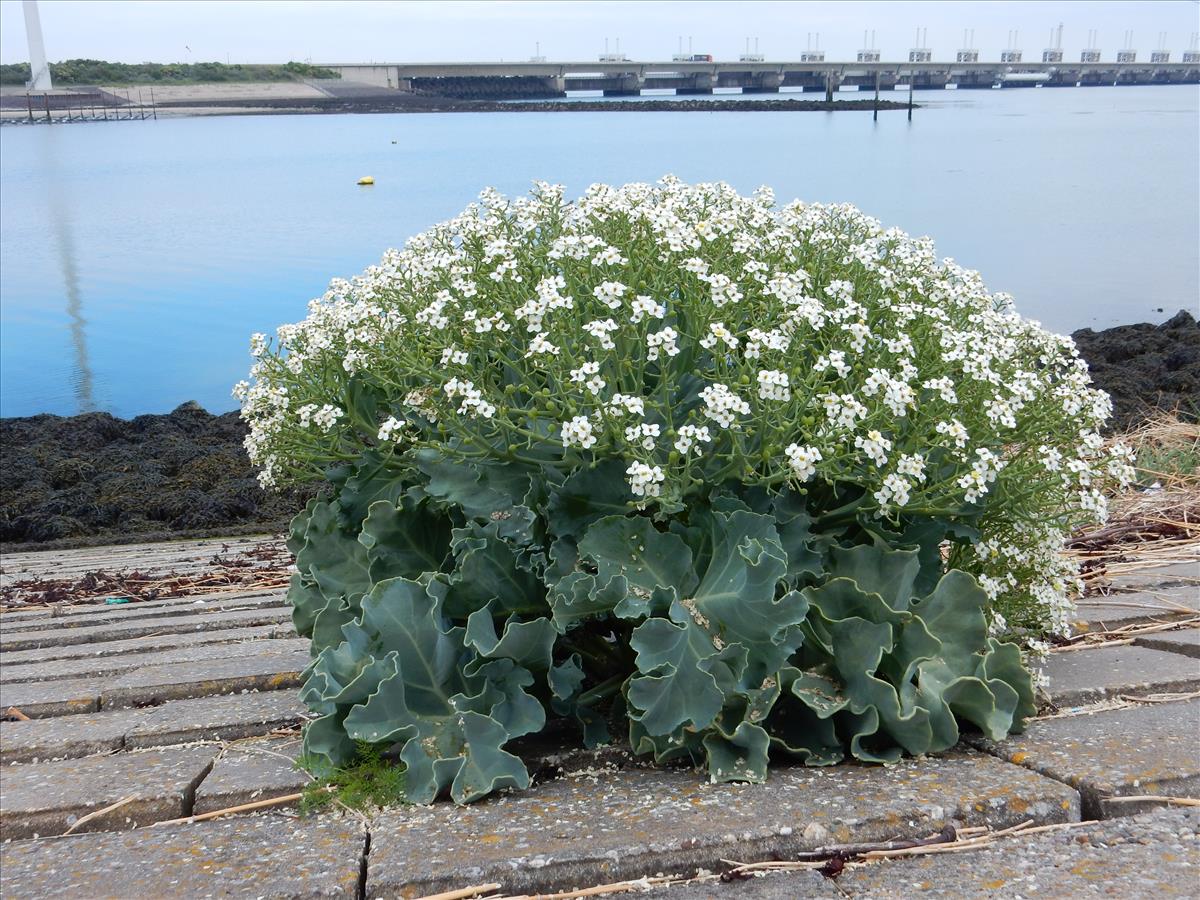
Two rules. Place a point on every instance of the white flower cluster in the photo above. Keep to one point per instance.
(696, 335)
(722, 405)
(803, 461)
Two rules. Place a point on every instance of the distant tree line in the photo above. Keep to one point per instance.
(95, 71)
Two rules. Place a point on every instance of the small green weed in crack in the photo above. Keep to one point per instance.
(370, 781)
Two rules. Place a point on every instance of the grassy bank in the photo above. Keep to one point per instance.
(96, 71)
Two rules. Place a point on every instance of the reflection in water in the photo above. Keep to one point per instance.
(81, 377)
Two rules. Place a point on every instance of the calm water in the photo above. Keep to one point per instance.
(137, 257)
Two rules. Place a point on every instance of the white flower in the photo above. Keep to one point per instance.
(645, 306)
(1000, 411)
(663, 341)
(718, 332)
(326, 417)
(953, 429)
(803, 460)
(944, 387)
(773, 385)
(539, 345)
(692, 436)
(645, 480)
(835, 359)
(585, 371)
(578, 433)
(912, 465)
(875, 446)
(624, 404)
(722, 289)
(452, 355)
(722, 405)
(859, 334)
(643, 434)
(842, 410)
(609, 256)
(601, 329)
(390, 429)
(610, 293)
(895, 490)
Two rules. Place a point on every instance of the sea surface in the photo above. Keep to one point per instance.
(137, 257)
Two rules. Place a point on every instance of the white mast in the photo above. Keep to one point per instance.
(38, 69)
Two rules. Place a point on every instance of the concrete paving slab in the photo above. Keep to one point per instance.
(51, 637)
(223, 718)
(617, 824)
(1185, 641)
(1150, 749)
(1182, 573)
(1155, 855)
(159, 556)
(180, 681)
(1078, 677)
(254, 856)
(66, 737)
(1104, 612)
(149, 642)
(52, 698)
(250, 771)
(113, 665)
(59, 610)
(99, 614)
(47, 798)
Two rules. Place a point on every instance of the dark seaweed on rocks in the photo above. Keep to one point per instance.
(1146, 367)
(79, 479)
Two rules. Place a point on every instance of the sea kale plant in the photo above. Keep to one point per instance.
(673, 465)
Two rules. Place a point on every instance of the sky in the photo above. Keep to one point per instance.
(346, 31)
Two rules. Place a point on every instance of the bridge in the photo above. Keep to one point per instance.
(537, 79)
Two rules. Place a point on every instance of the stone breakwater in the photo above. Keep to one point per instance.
(95, 478)
(1146, 367)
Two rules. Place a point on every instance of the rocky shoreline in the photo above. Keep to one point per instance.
(93, 478)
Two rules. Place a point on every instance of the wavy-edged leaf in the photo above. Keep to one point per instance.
(878, 570)
(674, 686)
(735, 600)
(306, 601)
(483, 491)
(631, 547)
(404, 541)
(528, 644)
(487, 572)
(376, 477)
(579, 597)
(325, 746)
(331, 557)
(586, 496)
(738, 756)
(463, 753)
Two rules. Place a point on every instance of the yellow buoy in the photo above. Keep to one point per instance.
(366, 180)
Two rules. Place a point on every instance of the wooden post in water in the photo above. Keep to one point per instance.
(153, 107)
(828, 87)
(29, 105)
(911, 88)
(875, 110)
(46, 102)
